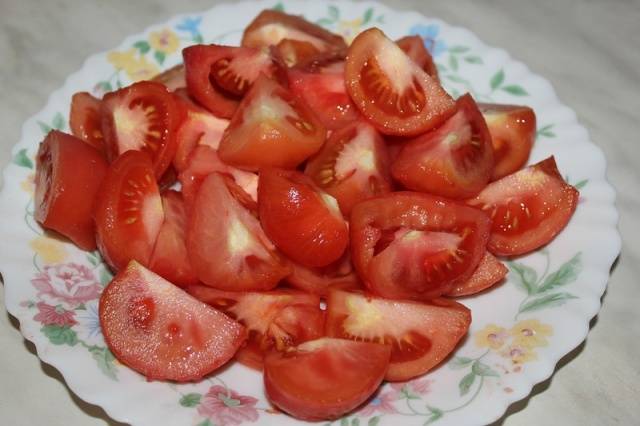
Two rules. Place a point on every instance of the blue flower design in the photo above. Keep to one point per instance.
(89, 324)
(429, 33)
(190, 25)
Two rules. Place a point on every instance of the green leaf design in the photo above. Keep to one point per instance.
(325, 22)
(160, 56)
(279, 7)
(453, 62)
(58, 122)
(555, 299)
(105, 86)
(465, 383)
(473, 59)
(455, 78)
(459, 362)
(481, 369)
(44, 127)
(105, 276)
(546, 131)
(459, 49)
(566, 274)
(205, 422)
(355, 421)
(526, 276)
(368, 14)
(581, 184)
(60, 335)
(497, 80)
(92, 259)
(105, 360)
(374, 421)
(344, 421)
(190, 400)
(334, 13)
(515, 90)
(435, 415)
(22, 159)
(143, 46)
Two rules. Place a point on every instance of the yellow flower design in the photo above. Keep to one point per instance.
(531, 333)
(165, 41)
(29, 184)
(49, 250)
(492, 336)
(349, 29)
(136, 66)
(519, 354)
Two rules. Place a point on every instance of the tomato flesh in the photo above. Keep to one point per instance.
(69, 173)
(339, 274)
(325, 378)
(489, 272)
(528, 208)
(173, 78)
(414, 47)
(162, 332)
(84, 119)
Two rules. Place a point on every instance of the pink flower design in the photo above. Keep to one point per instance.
(226, 407)
(416, 387)
(54, 315)
(69, 283)
(381, 403)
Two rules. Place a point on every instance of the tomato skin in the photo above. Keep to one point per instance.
(143, 116)
(325, 378)
(408, 245)
(422, 103)
(420, 335)
(513, 133)
(222, 221)
(84, 119)
(162, 332)
(301, 220)
(128, 211)
(69, 173)
(455, 160)
(276, 319)
(169, 258)
(528, 208)
(352, 165)
(272, 128)
(489, 272)
(414, 47)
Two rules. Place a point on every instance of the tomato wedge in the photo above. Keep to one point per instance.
(414, 47)
(455, 160)
(271, 128)
(270, 27)
(340, 274)
(69, 173)
(391, 90)
(407, 245)
(303, 221)
(162, 332)
(325, 378)
(84, 119)
(489, 272)
(528, 208)
(173, 78)
(169, 258)
(227, 247)
(513, 132)
(218, 77)
(276, 319)
(420, 335)
(128, 211)
(142, 117)
(352, 165)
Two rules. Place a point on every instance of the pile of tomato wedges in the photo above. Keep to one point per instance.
(304, 207)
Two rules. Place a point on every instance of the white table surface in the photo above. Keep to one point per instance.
(588, 50)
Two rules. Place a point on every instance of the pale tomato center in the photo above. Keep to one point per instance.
(396, 65)
(133, 125)
(272, 34)
(240, 239)
(357, 155)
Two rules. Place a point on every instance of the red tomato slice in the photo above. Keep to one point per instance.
(455, 160)
(326, 94)
(270, 27)
(294, 52)
(392, 91)
(528, 208)
(276, 320)
(142, 117)
(84, 119)
(68, 175)
(414, 47)
(407, 245)
(352, 165)
(339, 274)
(227, 247)
(420, 335)
(173, 78)
(169, 258)
(489, 272)
(128, 211)
(202, 162)
(325, 378)
(303, 221)
(162, 332)
(218, 77)
(513, 132)
(271, 128)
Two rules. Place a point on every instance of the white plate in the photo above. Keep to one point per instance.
(517, 335)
